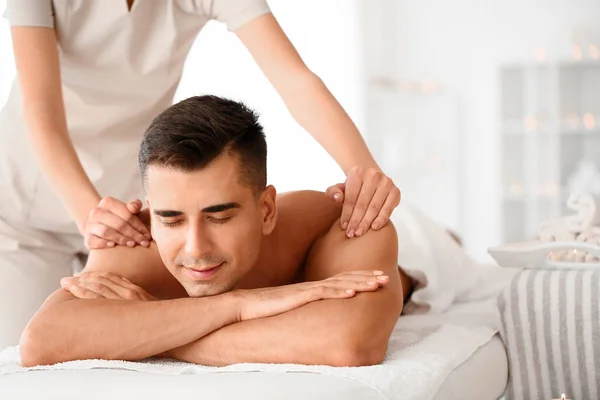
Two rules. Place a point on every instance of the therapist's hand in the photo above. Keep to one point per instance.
(369, 198)
(113, 222)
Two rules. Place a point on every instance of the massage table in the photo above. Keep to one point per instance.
(483, 376)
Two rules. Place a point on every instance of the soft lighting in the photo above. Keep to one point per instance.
(593, 50)
(539, 55)
(515, 189)
(433, 163)
(531, 123)
(428, 87)
(577, 53)
(546, 189)
(551, 189)
(573, 121)
(589, 121)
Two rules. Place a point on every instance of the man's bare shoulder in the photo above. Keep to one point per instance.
(307, 211)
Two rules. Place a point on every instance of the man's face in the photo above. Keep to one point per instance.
(208, 225)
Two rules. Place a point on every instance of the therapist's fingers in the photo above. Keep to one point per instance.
(134, 206)
(102, 216)
(336, 192)
(109, 227)
(121, 210)
(108, 234)
(353, 185)
(374, 208)
(388, 208)
(361, 206)
(93, 242)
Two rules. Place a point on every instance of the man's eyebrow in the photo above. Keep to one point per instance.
(221, 207)
(167, 213)
(217, 208)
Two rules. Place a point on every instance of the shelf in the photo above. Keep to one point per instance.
(549, 126)
(511, 127)
(593, 133)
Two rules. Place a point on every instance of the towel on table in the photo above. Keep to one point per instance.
(421, 354)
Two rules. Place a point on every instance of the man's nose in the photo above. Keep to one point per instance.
(198, 243)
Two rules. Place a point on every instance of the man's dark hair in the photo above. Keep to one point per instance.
(190, 134)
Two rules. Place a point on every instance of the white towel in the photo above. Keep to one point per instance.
(420, 357)
(587, 209)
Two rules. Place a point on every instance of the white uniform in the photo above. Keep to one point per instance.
(120, 68)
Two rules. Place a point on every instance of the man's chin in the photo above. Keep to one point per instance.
(206, 290)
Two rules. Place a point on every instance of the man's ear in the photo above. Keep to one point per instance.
(268, 208)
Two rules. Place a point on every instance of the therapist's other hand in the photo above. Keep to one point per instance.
(113, 222)
(369, 198)
(104, 285)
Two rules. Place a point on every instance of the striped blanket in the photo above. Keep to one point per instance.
(550, 324)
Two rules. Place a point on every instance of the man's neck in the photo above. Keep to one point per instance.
(268, 269)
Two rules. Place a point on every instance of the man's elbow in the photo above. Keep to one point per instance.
(41, 344)
(366, 343)
(34, 350)
(359, 355)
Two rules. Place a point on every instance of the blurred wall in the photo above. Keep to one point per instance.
(460, 45)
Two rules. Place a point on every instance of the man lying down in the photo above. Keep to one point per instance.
(236, 274)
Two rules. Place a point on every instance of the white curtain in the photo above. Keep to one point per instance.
(327, 35)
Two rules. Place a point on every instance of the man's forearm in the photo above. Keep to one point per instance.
(71, 329)
(329, 332)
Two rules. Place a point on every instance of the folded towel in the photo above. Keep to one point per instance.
(549, 324)
(587, 208)
(419, 359)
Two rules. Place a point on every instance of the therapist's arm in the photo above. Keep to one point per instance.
(39, 76)
(370, 196)
(352, 332)
(38, 73)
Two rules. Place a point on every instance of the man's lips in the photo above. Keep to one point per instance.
(201, 274)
